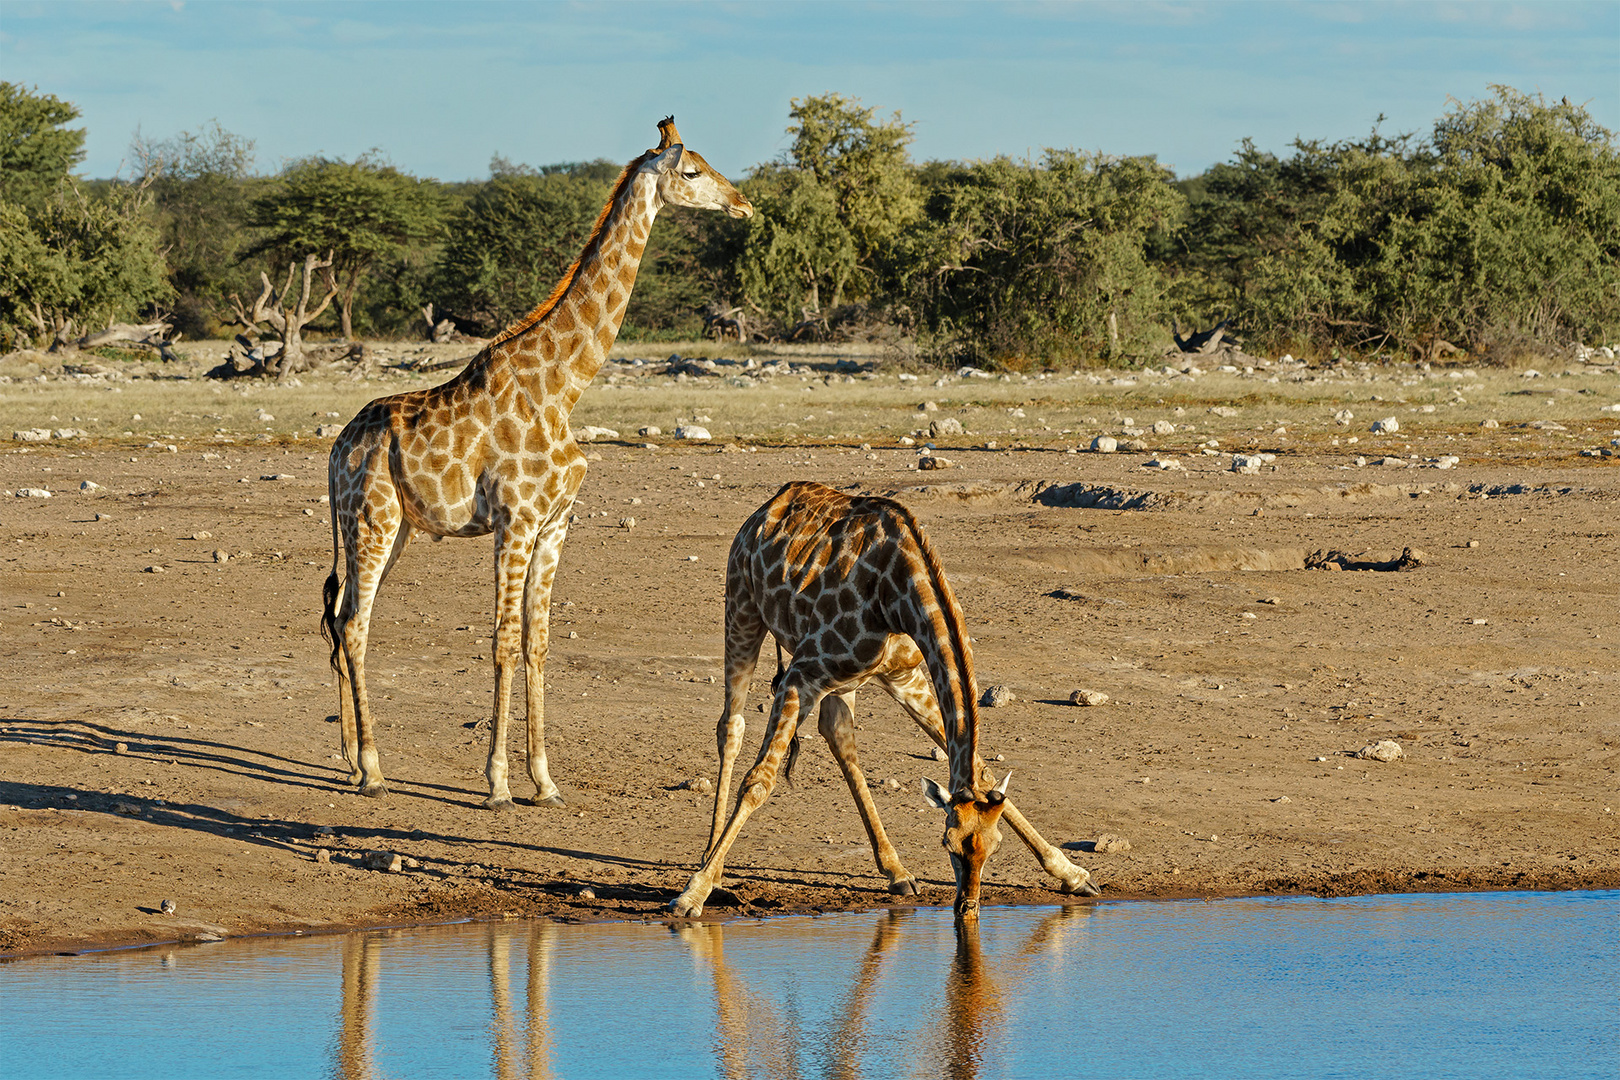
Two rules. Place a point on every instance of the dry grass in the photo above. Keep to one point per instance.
(1282, 409)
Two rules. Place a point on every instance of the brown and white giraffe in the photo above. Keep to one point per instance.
(490, 451)
(852, 588)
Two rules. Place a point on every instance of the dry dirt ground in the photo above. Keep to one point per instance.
(167, 728)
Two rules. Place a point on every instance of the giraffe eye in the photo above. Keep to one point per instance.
(692, 175)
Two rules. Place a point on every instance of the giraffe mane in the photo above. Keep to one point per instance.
(546, 306)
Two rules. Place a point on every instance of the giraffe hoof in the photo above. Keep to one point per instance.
(1082, 886)
(375, 790)
(551, 801)
(904, 887)
(500, 805)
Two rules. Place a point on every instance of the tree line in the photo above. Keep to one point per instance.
(1496, 233)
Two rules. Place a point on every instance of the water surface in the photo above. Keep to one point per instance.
(1461, 985)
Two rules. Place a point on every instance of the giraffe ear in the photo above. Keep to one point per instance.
(937, 796)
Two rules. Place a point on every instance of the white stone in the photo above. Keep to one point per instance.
(950, 425)
(89, 485)
(1109, 844)
(32, 435)
(1388, 425)
(33, 493)
(1247, 463)
(590, 433)
(692, 431)
(1163, 427)
(650, 430)
(1343, 417)
(1383, 750)
(1167, 464)
(1088, 697)
(1105, 444)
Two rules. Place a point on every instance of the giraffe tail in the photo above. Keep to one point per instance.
(331, 596)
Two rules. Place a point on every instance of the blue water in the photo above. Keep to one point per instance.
(1465, 985)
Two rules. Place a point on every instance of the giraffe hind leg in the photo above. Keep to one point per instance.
(368, 568)
(745, 632)
(838, 728)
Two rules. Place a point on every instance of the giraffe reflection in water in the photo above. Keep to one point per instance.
(883, 1019)
(756, 1038)
(514, 1058)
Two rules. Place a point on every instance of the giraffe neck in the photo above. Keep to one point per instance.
(565, 349)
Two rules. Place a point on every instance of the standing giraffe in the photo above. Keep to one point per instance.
(852, 588)
(490, 451)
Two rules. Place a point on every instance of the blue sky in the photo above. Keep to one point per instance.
(440, 87)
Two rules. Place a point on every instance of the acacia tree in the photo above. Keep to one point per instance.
(515, 237)
(36, 151)
(66, 259)
(202, 185)
(361, 211)
(830, 211)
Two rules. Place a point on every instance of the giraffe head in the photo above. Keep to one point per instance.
(971, 835)
(685, 179)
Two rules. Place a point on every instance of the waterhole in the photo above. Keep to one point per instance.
(1460, 985)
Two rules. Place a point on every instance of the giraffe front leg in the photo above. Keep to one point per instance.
(513, 546)
(914, 693)
(756, 788)
(536, 647)
(745, 632)
(838, 728)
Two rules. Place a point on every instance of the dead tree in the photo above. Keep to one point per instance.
(286, 324)
(1204, 342)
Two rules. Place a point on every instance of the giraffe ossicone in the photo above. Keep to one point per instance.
(852, 589)
(491, 451)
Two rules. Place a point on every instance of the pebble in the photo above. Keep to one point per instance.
(167, 907)
(585, 892)
(33, 493)
(907, 440)
(1388, 425)
(649, 431)
(702, 785)
(892, 784)
(1109, 844)
(328, 431)
(590, 433)
(1104, 444)
(692, 431)
(929, 463)
(1488, 424)
(1166, 464)
(997, 695)
(222, 556)
(939, 753)
(32, 435)
(323, 856)
(1343, 417)
(121, 748)
(1163, 427)
(89, 485)
(950, 425)
(1088, 697)
(263, 416)
(1383, 750)
(154, 570)
(627, 523)
(1282, 799)
(278, 476)
(386, 861)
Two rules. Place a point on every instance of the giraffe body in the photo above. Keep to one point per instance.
(852, 588)
(491, 451)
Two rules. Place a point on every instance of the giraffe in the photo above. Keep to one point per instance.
(852, 589)
(490, 451)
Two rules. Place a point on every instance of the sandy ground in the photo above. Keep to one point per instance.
(167, 727)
